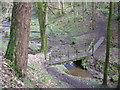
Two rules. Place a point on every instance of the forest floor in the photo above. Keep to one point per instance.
(40, 76)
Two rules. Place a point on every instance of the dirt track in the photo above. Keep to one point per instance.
(72, 82)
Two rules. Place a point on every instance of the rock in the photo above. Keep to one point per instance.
(114, 78)
(7, 34)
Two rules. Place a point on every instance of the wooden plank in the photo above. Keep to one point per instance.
(65, 60)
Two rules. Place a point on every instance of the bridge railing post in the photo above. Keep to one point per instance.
(68, 54)
(93, 50)
(76, 54)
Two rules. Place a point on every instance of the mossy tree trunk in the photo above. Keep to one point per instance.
(17, 49)
(42, 22)
(107, 45)
(118, 45)
(10, 52)
(119, 77)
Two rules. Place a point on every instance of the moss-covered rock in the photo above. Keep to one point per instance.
(7, 34)
(114, 78)
(62, 68)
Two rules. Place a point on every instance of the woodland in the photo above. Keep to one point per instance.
(59, 44)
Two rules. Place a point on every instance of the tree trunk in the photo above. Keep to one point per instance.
(59, 7)
(11, 44)
(107, 46)
(119, 44)
(119, 78)
(18, 45)
(93, 15)
(71, 4)
(83, 10)
(62, 7)
(42, 22)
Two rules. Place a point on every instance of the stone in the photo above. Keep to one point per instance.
(114, 78)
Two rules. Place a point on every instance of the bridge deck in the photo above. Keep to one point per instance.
(79, 56)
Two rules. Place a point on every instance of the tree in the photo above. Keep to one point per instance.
(71, 4)
(42, 6)
(17, 50)
(107, 45)
(61, 7)
(83, 10)
(11, 44)
(93, 15)
(119, 44)
(119, 76)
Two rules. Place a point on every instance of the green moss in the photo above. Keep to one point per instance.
(1, 27)
(34, 65)
(90, 81)
(12, 64)
(61, 68)
(28, 82)
(7, 34)
(115, 78)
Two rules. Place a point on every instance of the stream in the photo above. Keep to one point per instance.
(77, 71)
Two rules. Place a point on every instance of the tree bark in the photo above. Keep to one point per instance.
(119, 78)
(107, 45)
(11, 44)
(18, 45)
(119, 44)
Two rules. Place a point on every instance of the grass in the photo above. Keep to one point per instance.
(41, 76)
(66, 24)
(61, 68)
(90, 81)
(28, 82)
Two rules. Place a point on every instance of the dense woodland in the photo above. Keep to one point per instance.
(59, 44)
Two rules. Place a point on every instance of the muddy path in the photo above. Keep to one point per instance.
(100, 28)
(72, 82)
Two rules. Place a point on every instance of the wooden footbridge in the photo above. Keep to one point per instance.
(77, 56)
